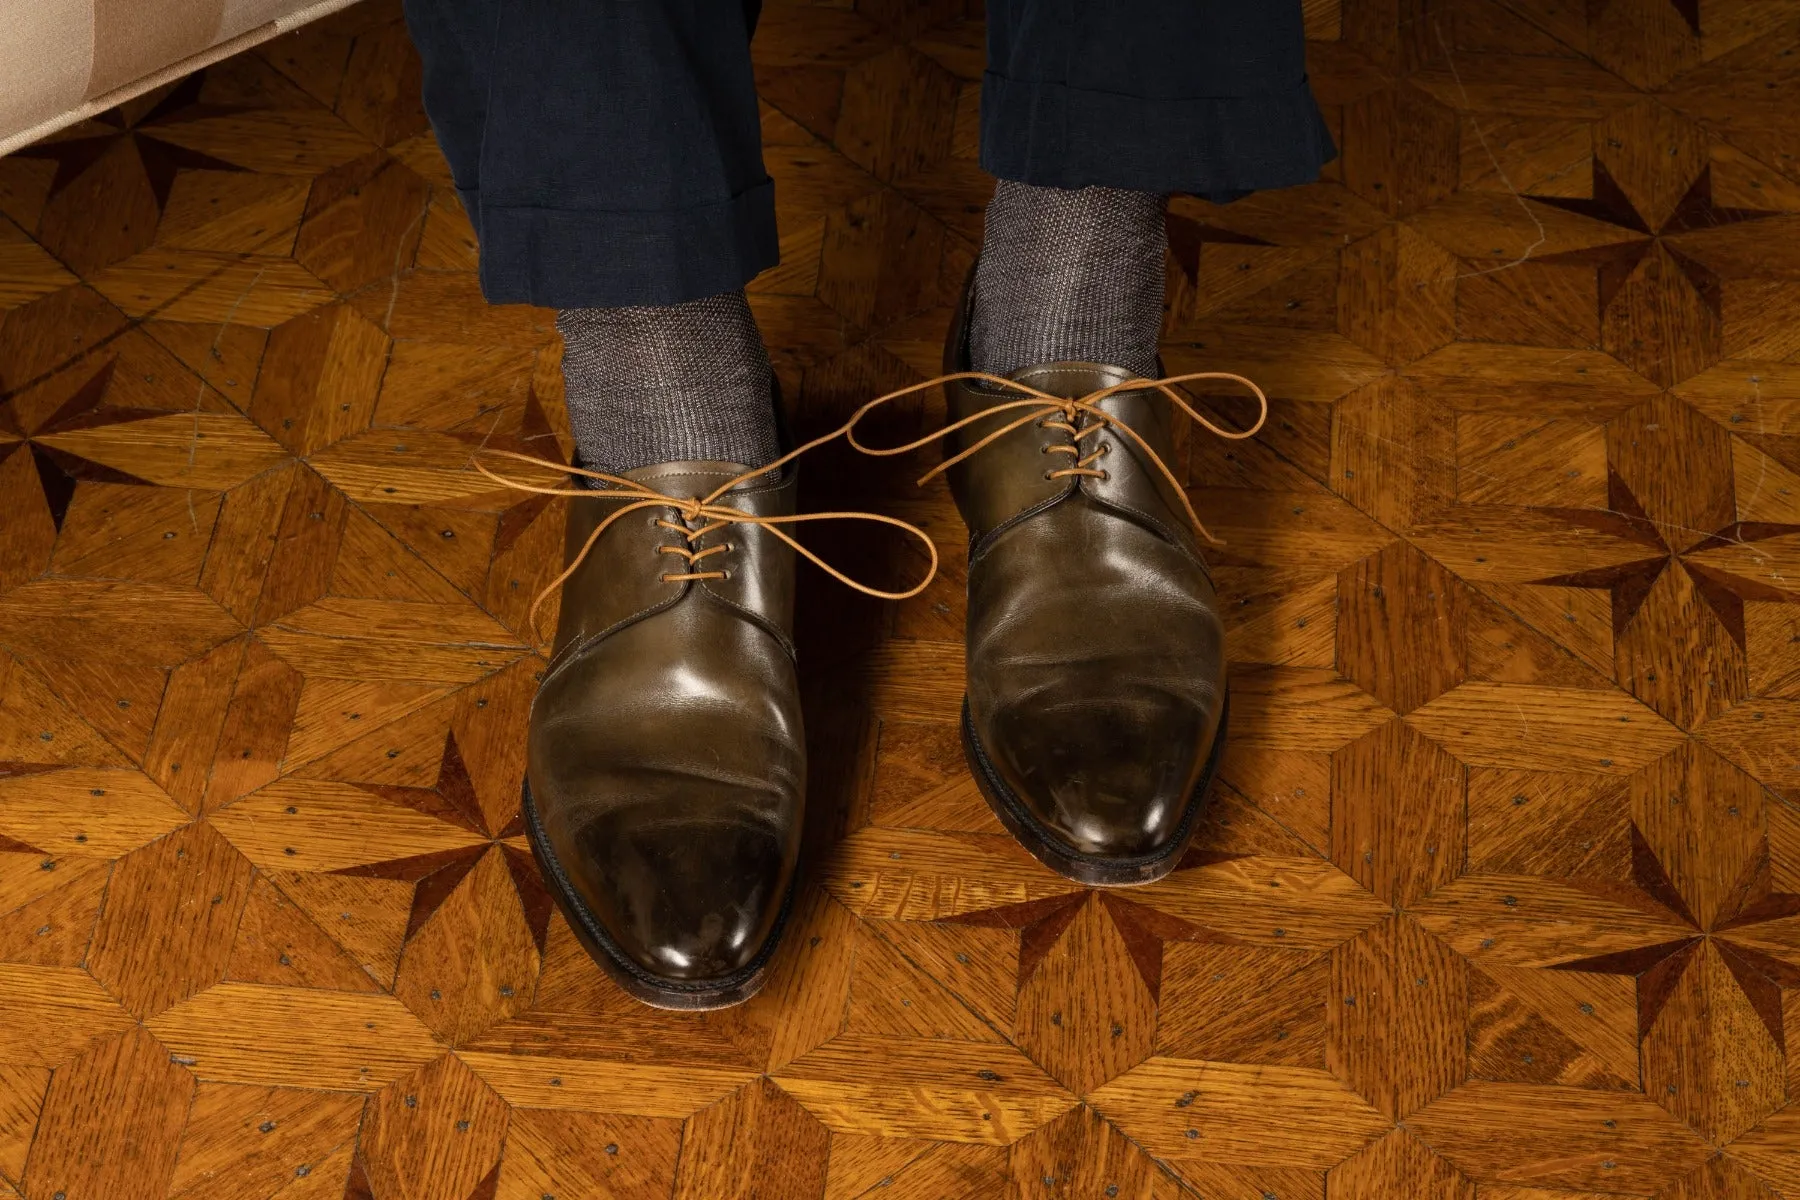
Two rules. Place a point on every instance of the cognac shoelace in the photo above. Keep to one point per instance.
(1049, 411)
(707, 509)
(1064, 414)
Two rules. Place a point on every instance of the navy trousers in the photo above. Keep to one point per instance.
(609, 151)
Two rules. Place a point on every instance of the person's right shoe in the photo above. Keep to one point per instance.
(667, 767)
(1095, 712)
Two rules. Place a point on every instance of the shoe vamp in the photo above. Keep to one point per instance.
(1080, 602)
(690, 714)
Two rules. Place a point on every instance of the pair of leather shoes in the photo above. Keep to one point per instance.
(667, 766)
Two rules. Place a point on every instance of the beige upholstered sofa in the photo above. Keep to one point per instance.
(62, 61)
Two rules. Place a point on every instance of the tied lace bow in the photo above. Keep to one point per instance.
(706, 509)
(1049, 411)
(1064, 415)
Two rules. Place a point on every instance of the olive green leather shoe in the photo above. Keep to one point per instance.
(1095, 712)
(667, 763)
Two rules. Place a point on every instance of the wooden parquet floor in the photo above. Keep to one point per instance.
(1499, 898)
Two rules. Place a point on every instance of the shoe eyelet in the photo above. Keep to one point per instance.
(1105, 476)
(1048, 475)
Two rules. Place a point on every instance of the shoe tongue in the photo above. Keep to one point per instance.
(1070, 379)
(695, 477)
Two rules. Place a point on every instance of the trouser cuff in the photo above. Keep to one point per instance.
(575, 258)
(1221, 147)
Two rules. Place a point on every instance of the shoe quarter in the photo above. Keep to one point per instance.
(621, 577)
(1133, 483)
(1008, 476)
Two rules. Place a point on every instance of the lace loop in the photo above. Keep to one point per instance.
(1064, 414)
(707, 508)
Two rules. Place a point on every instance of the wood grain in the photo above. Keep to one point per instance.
(111, 1121)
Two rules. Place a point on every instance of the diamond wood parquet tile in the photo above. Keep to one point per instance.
(1499, 896)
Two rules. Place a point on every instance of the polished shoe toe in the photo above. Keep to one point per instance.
(1108, 779)
(690, 902)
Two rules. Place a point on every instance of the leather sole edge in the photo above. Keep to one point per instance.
(638, 983)
(1088, 869)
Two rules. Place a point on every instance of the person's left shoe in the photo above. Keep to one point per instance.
(1095, 713)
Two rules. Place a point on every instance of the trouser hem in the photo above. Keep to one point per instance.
(588, 258)
(1053, 135)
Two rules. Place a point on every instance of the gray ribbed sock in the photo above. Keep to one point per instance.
(1071, 275)
(665, 384)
